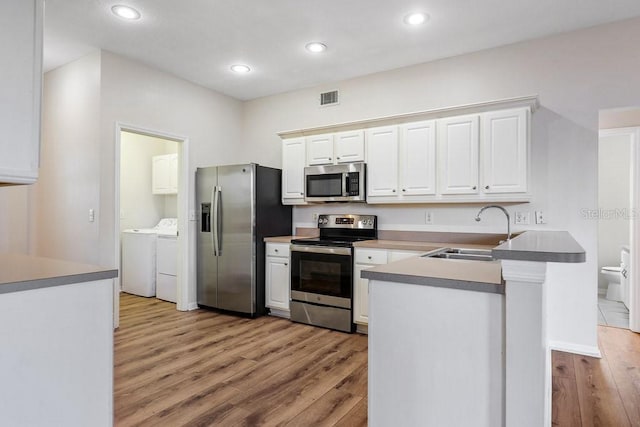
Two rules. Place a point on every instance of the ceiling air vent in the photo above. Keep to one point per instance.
(329, 98)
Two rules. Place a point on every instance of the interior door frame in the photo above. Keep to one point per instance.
(634, 222)
(184, 240)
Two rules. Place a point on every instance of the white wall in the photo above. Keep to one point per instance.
(614, 198)
(14, 219)
(139, 208)
(574, 74)
(70, 164)
(620, 117)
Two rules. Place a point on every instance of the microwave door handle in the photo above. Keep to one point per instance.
(345, 184)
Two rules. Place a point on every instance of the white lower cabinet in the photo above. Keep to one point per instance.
(166, 268)
(364, 259)
(277, 292)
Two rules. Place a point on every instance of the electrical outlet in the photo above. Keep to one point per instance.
(522, 218)
(92, 215)
(428, 217)
(540, 218)
(314, 217)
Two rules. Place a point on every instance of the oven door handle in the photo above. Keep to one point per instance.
(321, 250)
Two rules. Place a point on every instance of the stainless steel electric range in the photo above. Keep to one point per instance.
(322, 271)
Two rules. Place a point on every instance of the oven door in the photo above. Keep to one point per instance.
(322, 275)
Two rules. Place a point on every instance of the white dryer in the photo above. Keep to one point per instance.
(139, 261)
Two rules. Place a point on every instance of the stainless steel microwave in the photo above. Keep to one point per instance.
(335, 183)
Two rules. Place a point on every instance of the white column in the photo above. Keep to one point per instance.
(527, 386)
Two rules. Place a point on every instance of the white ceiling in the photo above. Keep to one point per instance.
(199, 40)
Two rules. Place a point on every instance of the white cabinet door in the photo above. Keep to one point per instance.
(382, 161)
(361, 295)
(160, 175)
(277, 283)
(320, 150)
(20, 90)
(164, 178)
(458, 159)
(293, 161)
(349, 146)
(504, 151)
(418, 159)
(173, 173)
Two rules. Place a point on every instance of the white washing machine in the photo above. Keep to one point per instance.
(139, 261)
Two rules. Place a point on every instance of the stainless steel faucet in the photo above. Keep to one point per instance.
(504, 211)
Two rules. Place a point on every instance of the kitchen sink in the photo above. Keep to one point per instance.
(461, 253)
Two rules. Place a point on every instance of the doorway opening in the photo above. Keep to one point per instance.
(151, 215)
(618, 221)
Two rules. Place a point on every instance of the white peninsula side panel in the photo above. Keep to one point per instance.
(436, 356)
(56, 356)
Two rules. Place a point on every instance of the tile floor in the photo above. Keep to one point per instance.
(612, 313)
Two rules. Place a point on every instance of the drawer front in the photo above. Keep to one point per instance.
(371, 256)
(278, 249)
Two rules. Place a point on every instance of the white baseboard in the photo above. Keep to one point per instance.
(584, 350)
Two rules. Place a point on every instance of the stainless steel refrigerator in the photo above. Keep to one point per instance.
(238, 206)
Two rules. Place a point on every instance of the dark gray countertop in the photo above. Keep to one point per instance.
(536, 246)
(541, 246)
(480, 276)
(20, 272)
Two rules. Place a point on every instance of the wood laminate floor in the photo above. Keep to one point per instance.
(202, 368)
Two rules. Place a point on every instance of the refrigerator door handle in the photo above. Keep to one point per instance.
(217, 192)
(214, 219)
(219, 220)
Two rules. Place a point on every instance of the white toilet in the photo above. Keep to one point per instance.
(615, 276)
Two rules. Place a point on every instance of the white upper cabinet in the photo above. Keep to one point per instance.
(349, 146)
(458, 140)
(382, 161)
(470, 158)
(331, 149)
(293, 161)
(20, 90)
(164, 174)
(504, 151)
(418, 159)
(320, 150)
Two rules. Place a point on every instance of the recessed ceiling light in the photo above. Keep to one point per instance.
(416, 18)
(240, 68)
(125, 12)
(316, 47)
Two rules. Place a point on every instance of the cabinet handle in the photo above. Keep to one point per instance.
(369, 257)
(486, 187)
(336, 158)
(275, 250)
(404, 189)
(393, 191)
(302, 194)
(285, 264)
(474, 187)
(329, 158)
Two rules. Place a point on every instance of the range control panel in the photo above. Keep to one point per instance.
(348, 221)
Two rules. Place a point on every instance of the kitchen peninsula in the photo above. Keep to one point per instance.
(56, 329)
(454, 342)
